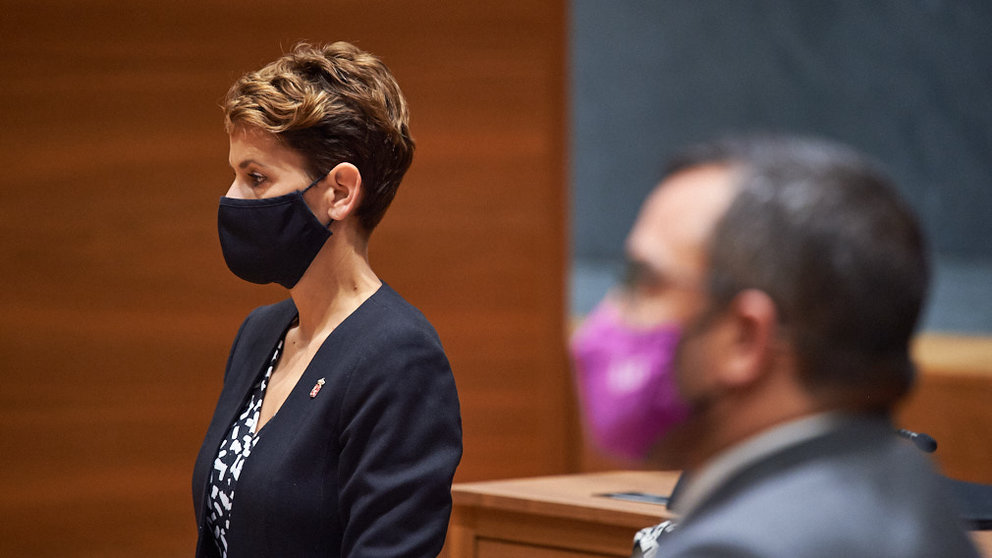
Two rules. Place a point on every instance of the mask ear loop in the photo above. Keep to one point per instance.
(304, 191)
(314, 183)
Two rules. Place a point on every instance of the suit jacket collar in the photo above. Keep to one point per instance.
(254, 344)
(772, 452)
(253, 355)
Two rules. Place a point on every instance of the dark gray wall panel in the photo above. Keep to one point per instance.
(909, 82)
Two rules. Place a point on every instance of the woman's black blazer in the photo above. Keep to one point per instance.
(364, 467)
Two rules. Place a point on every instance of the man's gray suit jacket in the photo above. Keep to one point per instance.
(858, 491)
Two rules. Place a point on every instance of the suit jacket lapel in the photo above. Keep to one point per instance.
(248, 359)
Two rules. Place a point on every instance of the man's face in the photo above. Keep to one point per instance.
(666, 251)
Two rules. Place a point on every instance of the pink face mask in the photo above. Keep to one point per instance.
(626, 381)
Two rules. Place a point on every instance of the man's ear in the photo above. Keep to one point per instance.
(344, 191)
(753, 326)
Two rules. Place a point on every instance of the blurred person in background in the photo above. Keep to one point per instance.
(759, 343)
(337, 431)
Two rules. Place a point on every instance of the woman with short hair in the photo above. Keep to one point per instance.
(337, 431)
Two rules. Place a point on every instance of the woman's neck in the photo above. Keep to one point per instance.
(337, 282)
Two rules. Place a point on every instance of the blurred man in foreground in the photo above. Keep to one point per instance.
(760, 343)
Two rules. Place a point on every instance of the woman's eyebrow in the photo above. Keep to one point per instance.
(248, 162)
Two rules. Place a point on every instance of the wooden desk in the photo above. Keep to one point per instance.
(951, 403)
(553, 517)
(562, 516)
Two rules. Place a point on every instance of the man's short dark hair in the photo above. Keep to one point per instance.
(824, 233)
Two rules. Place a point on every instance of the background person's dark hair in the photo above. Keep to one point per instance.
(824, 233)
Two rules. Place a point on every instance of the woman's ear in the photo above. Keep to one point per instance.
(752, 338)
(344, 191)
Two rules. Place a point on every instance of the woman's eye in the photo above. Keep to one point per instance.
(256, 178)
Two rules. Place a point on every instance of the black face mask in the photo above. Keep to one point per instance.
(270, 240)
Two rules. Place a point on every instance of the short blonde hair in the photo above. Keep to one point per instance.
(332, 104)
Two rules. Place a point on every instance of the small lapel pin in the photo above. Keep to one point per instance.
(316, 388)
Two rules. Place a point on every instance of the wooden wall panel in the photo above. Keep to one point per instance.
(116, 309)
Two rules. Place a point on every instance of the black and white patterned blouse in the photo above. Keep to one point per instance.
(231, 456)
